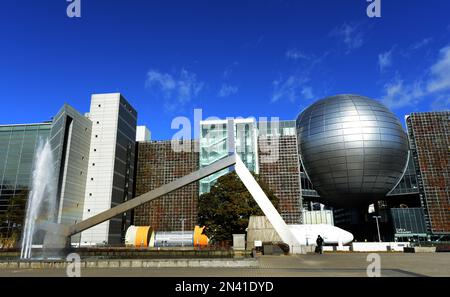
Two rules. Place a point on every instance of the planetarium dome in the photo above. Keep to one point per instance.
(353, 149)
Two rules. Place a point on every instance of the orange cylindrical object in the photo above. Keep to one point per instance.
(142, 236)
(199, 238)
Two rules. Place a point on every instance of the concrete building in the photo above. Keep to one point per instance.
(267, 148)
(111, 166)
(103, 159)
(94, 161)
(70, 139)
(143, 134)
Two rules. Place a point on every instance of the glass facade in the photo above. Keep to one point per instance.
(307, 186)
(214, 146)
(17, 148)
(408, 184)
(408, 222)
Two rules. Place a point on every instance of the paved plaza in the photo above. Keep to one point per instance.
(311, 265)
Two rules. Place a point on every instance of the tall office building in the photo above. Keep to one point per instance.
(70, 142)
(110, 175)
(18, 144)
(214, 146)
(429, 135)
(280, 166)
(158, 164)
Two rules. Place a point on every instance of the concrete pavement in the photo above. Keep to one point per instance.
(329, 264)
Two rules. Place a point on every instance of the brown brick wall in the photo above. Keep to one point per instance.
(431, 132)
(157, 165)
(282, 175)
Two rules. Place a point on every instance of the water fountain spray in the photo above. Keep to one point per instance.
(42, 197)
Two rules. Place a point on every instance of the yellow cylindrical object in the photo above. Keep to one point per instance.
(199, 238)
(143, 235)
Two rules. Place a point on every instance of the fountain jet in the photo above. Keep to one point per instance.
(42, 197)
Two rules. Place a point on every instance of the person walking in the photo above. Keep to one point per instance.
(319, 242)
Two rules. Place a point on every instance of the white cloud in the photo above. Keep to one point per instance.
(424, 42)
(164, 80)
(350, 35)
(291, 89)
(435, 86)
(398, 94)
(440, 71)
(295, 54)
(229, 69)
(307, 93)
(385, 60)
(227, 90)
(176, 91)
(441, 103)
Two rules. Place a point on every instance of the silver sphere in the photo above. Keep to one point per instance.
(353, 149)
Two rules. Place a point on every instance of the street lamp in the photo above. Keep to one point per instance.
(182, 231)
(378, 227)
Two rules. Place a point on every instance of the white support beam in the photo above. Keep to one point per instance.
(264, 203)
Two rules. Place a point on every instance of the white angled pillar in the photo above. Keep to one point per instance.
(266, 206)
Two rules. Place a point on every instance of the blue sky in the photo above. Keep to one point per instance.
(231, 58)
